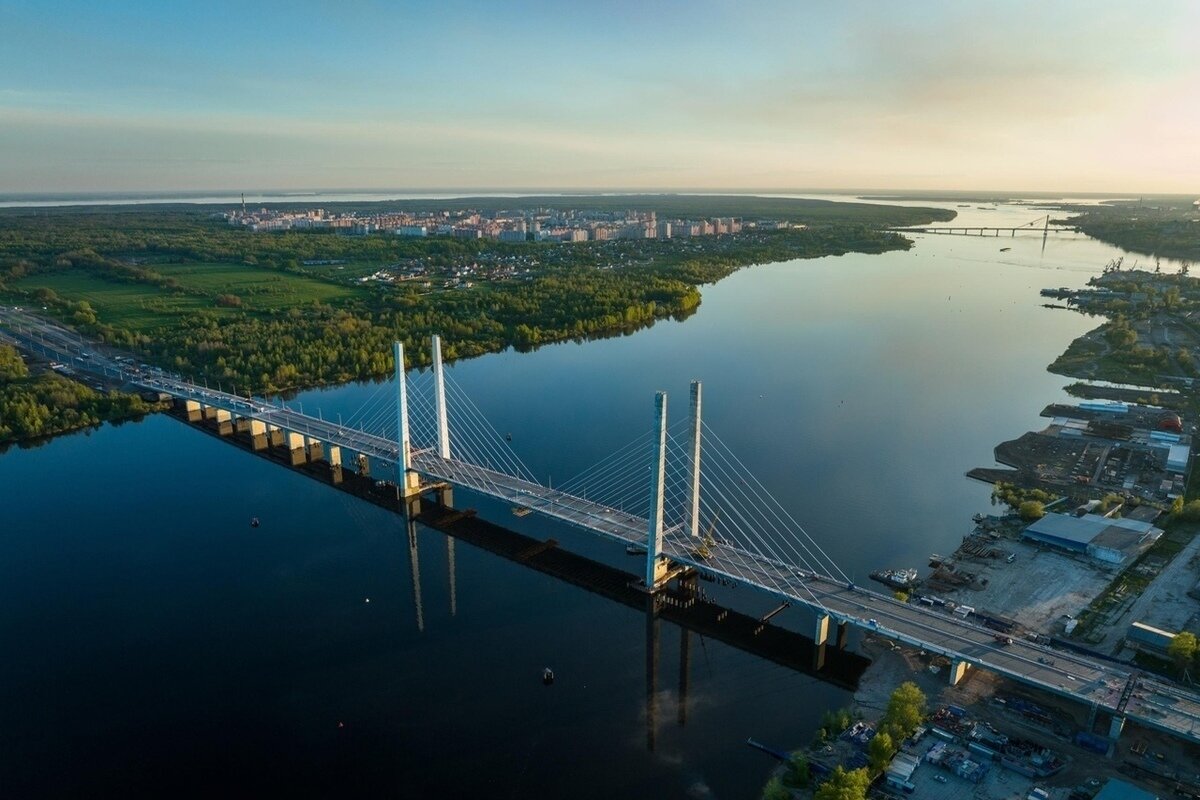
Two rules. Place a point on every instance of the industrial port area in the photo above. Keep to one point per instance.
(1091, 549)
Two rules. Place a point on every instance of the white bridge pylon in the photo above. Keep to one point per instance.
(651, 493)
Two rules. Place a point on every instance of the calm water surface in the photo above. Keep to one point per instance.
(155, 644)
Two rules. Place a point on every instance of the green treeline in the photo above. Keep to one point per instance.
(42, 405)
(1165, 228)
(132, 280)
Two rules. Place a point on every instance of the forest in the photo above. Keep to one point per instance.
(34, 406)
(1161, 227)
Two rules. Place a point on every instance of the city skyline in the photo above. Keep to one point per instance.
(1016, 96)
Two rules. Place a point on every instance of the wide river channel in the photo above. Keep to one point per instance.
(153, 643)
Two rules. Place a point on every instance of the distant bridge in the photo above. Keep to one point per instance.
(717, 522)
(1040, 225)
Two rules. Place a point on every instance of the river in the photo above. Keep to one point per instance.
(154, 643)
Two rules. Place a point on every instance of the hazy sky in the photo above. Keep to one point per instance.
(1061, 95)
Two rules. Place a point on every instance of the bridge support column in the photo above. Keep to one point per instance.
(439, 400)
(242, 424)
(364, 465)
(656, 565)
(258, 435)
(208, 412)
(334, 457)
(445, 496)
(193, 410)
(316, 451)
(958, 670)
(295, 446)
(274, 436)
(224, 422)
(841, 635)
(821, 629)
(1116, 726)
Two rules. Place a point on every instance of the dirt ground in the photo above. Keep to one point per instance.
(1165, 603)
(1037, 589)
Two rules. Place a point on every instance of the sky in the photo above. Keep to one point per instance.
(1062, 96)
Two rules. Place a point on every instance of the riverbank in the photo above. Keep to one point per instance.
(37, 404)
(271, 312)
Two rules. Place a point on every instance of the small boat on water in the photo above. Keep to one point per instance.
(254, 522)
(547, 676)
(896, 578)
(1005, 249)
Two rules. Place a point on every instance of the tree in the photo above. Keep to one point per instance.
(1182, 649)
(1190, 512)
(901, 596)
(797, 773)
(12, 368)
(880, 750)
(775, 790)
(905, 710)
(843, 785)
(1031, 510)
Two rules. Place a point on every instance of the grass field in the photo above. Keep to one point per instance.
(260, 289)
(135, 306)
(143, 307)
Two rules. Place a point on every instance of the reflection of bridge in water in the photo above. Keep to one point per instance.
(683, 603)
(706, 517)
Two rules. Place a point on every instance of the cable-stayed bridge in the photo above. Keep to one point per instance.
(677, 492)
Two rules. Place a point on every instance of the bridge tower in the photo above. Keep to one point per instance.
(407, 481)
(439, 397)
(694, 506)
(656, 565)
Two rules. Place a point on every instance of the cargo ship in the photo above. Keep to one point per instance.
(896, 578)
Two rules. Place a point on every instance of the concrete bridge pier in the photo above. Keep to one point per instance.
(295, 446)
(820, 638)
(334, 457)
(208, 412)
(224, 422)
(258, 435)
(1116, 726)
(363, 465)
(192, 408)
(958, 670)
(242, 424)
(842, 630)
(274, 436)
(821, 629)
(316, 451)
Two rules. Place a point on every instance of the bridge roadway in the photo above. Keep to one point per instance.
(1092, 682)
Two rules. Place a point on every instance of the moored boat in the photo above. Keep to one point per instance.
(896, 578)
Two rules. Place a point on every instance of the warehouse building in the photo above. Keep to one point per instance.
(1112, 541)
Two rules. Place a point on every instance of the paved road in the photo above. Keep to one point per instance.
(1090, 681)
